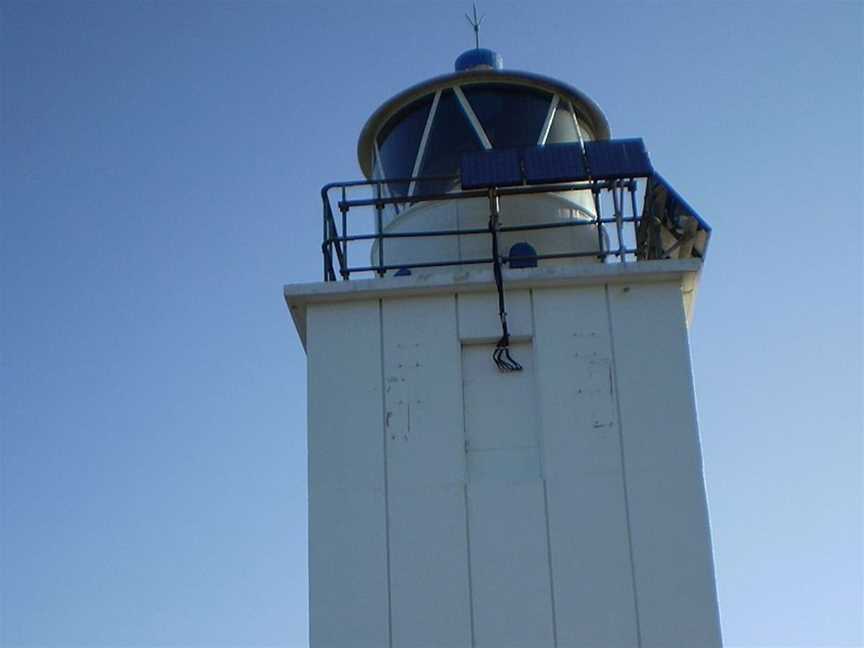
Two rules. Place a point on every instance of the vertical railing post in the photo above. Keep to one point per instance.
(343, 207)
(618, 204)
(379, 229)
(325, 240)
(632, 186)
(328, 235)
(595, 193)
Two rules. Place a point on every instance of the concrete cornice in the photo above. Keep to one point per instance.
(298, 296)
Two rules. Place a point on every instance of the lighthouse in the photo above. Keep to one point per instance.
(503, 446)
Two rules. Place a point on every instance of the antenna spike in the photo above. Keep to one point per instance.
(475, 23)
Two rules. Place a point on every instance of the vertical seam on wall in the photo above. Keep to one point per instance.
(465, 478)
(623, 466)
(386, 471)
(549, 560)
(541, 446)
(468, 562)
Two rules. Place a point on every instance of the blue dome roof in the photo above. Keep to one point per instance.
(479, 58)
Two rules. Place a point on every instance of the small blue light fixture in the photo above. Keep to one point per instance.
(479, 58)
(522, 255)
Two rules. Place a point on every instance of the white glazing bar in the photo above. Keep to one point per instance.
(578, 130)
(422, 148)
(382, 175)
(377, 161)
(469, 112)
(544, 132)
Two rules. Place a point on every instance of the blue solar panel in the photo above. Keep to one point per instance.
(555, 163)
(615, 159)
(491, 168)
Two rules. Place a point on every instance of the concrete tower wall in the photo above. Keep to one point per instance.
(454, 505)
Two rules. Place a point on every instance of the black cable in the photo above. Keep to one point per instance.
(503, 360)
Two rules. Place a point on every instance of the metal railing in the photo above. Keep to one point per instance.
(666, 227)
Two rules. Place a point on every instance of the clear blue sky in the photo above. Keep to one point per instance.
(160, 171)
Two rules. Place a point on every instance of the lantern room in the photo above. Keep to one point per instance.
(455, 157)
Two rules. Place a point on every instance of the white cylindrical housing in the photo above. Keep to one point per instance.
(473, 214)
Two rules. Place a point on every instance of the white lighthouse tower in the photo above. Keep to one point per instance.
(503, 441)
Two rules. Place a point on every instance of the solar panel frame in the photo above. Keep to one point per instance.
(554, 163)
(491, 168)
(618, 159)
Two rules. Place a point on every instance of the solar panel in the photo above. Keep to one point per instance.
(491, 168)
(554, 163)
(614, 159)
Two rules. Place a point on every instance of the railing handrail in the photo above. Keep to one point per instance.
(649, 226)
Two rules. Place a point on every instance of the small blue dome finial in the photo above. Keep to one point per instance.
(479, 58)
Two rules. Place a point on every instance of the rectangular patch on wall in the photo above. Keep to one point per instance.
(501, 419)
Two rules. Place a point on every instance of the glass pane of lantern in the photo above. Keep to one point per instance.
(451, 135)
(399, 141)
(512, 116)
